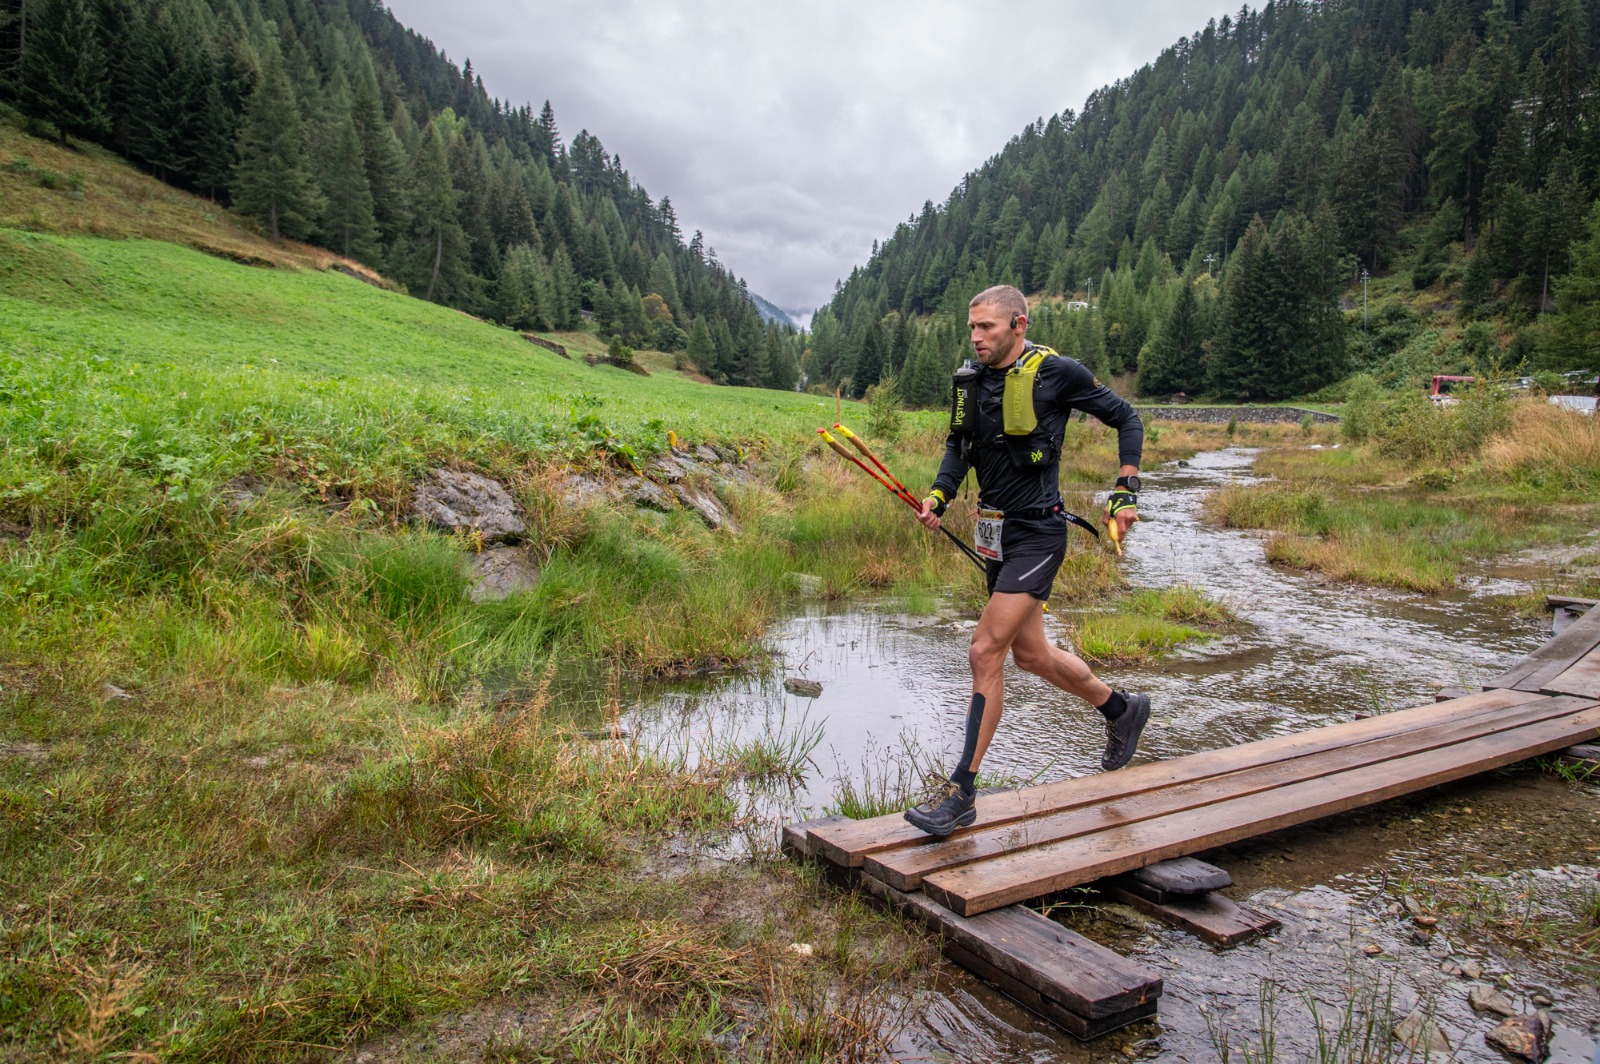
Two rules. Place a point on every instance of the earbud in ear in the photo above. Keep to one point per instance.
(1014, 320)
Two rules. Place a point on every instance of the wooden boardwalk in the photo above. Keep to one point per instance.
(1032, 842)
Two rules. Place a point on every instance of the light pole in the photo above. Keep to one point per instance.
(1363, 300)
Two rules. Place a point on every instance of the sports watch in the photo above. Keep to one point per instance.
(1129, 483)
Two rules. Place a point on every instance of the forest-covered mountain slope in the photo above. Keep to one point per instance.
(329, 121)
(1457, 140)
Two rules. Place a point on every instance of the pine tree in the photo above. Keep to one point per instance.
(1242, 354)
(272, 179)
(701, 351)
(868, 363)
(438, 253)
(382, 155)
(63, 70)
(1575, 340)
(348, 219)
(522, 297)
(1174, 361)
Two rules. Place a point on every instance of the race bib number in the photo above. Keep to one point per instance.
(986, 534)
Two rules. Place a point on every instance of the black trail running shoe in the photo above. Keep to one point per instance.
(945, 811)
(1122, 734)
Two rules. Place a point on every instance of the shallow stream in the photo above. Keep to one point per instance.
(1307, 652)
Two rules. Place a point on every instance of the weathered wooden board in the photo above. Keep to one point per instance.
(1219, 920)
(1183, 875)
(795, 842)
(1081, 976)
(1079, 1026)
(1013, 877)
(1582, 678)
(1554, 658)
(851, 843)
(907, 867)
(1554, 602)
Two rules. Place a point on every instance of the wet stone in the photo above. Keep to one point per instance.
(705, 504)
(466, 502)
(1522, 1037)
(796, 685)
(1544, 1001)
(649, 495)
(501, 572)
(671, 467)
(706, 454)
(1488, 999)
(1421, 1035)
(1472, 969)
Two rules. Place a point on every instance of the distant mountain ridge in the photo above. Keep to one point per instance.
(770, 312)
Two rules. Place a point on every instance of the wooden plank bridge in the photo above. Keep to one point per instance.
(1116, 829)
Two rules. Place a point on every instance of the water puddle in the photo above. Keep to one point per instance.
(1309, 652)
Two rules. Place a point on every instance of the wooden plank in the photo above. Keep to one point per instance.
(905, 868)
(1554, 602)
(977, 888)
(1080, 1027)
(1082, 976)
(1550, 660)
(795, 844)
(849, 844)
(1183, 875)
(1219, 920)
(1582, 679)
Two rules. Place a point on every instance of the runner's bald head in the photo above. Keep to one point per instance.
(1004, 298)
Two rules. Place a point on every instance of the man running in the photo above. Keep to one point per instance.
(1008, 415)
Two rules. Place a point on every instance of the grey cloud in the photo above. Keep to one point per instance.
(794, 135)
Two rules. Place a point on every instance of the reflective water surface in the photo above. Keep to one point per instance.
(1308, 652)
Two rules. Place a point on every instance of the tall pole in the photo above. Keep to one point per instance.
(1088, 283)
(1363, 300)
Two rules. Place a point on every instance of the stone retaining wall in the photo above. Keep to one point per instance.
(1221, 415)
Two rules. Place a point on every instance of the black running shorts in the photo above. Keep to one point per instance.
(1033, 552)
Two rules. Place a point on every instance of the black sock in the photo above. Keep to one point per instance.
(1113, 707)
(964, 777)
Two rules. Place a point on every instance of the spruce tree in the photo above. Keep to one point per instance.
(382, 155)
(63, 69)
(1242, 352)
(348, 219)
(437, 250)
(272, 180)
(1575, 339)
(1174, 361)
(701, 351)
(868, 363)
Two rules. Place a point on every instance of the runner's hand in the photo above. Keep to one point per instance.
(1125, 520)
(928, 518)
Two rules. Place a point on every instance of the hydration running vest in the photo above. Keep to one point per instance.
(1029, 446)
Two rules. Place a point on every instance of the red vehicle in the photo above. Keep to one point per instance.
(1440, 387)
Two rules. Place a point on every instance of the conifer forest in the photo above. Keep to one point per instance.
(328, 121)
(1217, 209)
(1204, 224)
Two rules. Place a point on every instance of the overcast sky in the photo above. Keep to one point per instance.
(794, 134)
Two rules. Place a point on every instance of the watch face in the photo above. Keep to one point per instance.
(1132, 483)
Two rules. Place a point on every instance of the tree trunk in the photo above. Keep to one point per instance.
(273, 217)
(438, 258)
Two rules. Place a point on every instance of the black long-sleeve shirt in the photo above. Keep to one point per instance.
(1064, 385)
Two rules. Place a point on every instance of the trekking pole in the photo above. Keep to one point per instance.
(895, 488)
